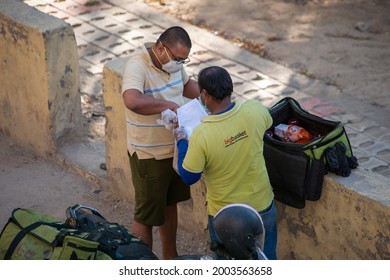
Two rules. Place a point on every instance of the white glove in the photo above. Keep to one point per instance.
(179, 134)
(168, 119)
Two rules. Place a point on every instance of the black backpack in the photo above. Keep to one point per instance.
(113, 238)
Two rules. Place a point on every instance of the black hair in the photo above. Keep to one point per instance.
(174, 35)
(216, 81)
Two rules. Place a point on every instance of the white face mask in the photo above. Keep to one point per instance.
(172, 67)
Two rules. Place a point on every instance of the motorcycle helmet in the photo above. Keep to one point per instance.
(241, 230)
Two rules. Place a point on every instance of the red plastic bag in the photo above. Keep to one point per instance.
(292, 133)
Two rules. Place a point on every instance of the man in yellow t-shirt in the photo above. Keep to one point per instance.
(154, 80)
(227, 147)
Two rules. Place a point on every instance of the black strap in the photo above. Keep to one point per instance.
(21, 234)
(24, 231)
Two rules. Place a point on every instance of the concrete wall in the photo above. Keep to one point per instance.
(350, 221)
(39, 96)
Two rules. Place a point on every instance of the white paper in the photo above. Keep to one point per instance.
(190, 114)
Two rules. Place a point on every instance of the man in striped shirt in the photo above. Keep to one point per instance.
(155, 80)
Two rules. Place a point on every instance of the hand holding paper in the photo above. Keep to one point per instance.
(180, 134)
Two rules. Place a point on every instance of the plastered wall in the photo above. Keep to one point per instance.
(39, 95)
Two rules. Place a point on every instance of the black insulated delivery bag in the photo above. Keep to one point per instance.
(296, 171)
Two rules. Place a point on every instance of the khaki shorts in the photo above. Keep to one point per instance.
(156, 185)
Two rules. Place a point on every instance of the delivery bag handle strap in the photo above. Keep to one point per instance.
(294, 102)
(19, 237)
(286, 100)
(24, 231)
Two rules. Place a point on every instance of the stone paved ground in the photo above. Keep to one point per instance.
(107, 30)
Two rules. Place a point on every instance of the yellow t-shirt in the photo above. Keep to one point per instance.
(228, 148)
(144, 135)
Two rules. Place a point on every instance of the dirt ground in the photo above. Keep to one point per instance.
(44, 185)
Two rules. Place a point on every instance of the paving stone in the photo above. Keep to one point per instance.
(260, 94)
(265, 82)
(372, 164)
(121, 48)
(266, 98)
(347, 118)
(95, 69)
(139, 24)
(281, 90)
(113, 27)
(121, 14)
(327, 110)
(205, 56)
(367, 144)
(384, 154)
(376, 148)
(88, 50)
(59, 14)
(311, 102)
(81, 44)
(245, 87)
(108, 39)
(376, 131)
(351, 131)
(93, 16)
(194, 67)
(196, 48)
(84, 28)
(35, 3)
(385, 138)
(360, 154)
(237, 82)
(74, 9)
(358, 139)
(363, 125)
(95, 35)
(385, 172)
(74, 21)
(64, 5)
(235, 69)
(103, 21)
(137, 38)
(99, 57)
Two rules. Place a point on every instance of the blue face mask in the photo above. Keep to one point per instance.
(201, 102)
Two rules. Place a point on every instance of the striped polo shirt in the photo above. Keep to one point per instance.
(144, 136)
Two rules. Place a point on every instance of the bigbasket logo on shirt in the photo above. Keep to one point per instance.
(234, 139)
